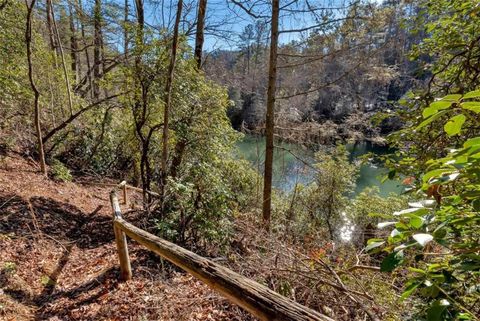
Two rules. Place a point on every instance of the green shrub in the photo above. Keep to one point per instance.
(436, 238)
(319, 206)
(60, 172)
(9, 267)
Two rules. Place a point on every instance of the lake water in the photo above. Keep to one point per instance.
(290, 165)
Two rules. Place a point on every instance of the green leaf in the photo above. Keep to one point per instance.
(391, 174)
(436, 173)
(401, 226)
(385, 224)
(437, 309)
(454, 97)
(472, 105)
(476, 205)
(47, 281)
(429, 111)
(435, 267)
(435, 107)
(439, 233)
(472, 94)
(454, 125)
(422, 238)
(471, 194)
(409, 290)
(447, 178)
(431, 119)
(374, 245)
(393, 260)
(440, 104)
(429, 290)
(472, 142)
(414, 210)
(415, 270)
(464, 316)
(416, 221)
(469, 266)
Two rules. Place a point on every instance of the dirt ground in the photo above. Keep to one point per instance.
(58, 258)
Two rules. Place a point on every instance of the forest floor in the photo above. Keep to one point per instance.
(58, 258)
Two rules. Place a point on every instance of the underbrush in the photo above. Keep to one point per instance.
(60, 172)
(337, 279)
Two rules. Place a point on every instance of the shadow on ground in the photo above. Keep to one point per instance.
(67, 226)
(62, 221)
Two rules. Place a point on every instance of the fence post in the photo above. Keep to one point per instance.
(125, 196)
(120, 240)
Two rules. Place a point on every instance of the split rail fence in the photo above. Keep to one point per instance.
(259, 300)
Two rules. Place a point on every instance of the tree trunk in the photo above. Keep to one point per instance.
(141, 102)
(73, 44)
(28, 41)
(140, 24)
(87, 55)
(199, 36)
(64, 65)
(269, 122)
(51, 37)
(168, 92)
(104, 65)
(125, 32)
(177, 158)
(97, 41)
(145, 174)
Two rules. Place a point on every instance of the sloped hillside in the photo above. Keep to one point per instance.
(58, 259)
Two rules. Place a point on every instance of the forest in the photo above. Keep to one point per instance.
(262, 160)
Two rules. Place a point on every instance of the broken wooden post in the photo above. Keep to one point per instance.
(121, 240)
(124, 189)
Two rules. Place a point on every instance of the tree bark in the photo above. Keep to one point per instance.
(141, 103)
(145, 172)
(87, 55)
(199, 36)
(50, 25)
(125, 32)
(64, 65)
(73, 44)
(269, 122)
(97, 41)
(140, 31)
(168, 92)
(28, 41)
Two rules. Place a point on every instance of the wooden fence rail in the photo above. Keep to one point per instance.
(123, 185)
(258, 299)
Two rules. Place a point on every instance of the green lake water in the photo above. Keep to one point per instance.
(290, 168)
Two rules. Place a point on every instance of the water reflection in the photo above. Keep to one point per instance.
(347, 229)
(292, 165)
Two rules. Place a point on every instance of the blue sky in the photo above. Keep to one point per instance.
(225, 16)
(231, 20)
